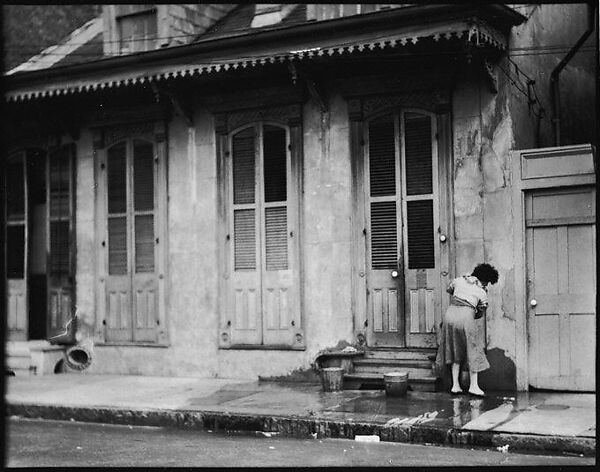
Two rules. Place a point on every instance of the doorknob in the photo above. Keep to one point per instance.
(394, 274)
(533, 302)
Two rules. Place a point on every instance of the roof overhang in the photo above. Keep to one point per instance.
(483, 26)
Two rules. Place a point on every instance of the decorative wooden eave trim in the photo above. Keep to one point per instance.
(472, 30)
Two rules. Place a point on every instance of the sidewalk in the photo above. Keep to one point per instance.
(543, 422)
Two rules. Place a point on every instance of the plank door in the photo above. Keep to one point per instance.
(59, 245)
(561, 288)
(263, 306)
(384, 234)
(15, 247)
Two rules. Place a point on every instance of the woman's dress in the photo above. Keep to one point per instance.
(460, 340)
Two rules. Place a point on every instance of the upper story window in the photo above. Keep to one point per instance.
(320, 12)
(136, 28)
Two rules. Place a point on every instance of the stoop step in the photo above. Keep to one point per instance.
(415, 368)
(370, 380)
(402, 353)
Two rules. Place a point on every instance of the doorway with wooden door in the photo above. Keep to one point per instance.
(561, 287)
(38, 246)
(404, 232)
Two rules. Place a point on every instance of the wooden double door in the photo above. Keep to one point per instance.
(406, 255)
(39, 244)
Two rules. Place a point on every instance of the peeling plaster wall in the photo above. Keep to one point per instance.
(85, 287)
(483, 137)
(327, 225)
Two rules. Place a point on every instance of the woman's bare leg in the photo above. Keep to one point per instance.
(455, 376)
(474, 386)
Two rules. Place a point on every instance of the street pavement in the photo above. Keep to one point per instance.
(541, 422)
(44, 443)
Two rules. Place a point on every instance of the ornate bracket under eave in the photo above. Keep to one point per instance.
(310, 85)
(490, 75)
(176, 104)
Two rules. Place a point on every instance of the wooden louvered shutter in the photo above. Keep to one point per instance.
(144, 280)
(277, 280)
(421, 220)
(15, 244)
(60, 265)
(383, 193)
(275, 198)
(383, 230)
(246, 323)
(419, 185)
(118, 283)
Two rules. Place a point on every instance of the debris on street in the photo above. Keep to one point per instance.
(366, 438)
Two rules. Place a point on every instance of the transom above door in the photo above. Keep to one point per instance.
(403, 229)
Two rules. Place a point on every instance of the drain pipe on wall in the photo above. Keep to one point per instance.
(554, 85)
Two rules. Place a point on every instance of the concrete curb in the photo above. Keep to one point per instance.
(301, 427)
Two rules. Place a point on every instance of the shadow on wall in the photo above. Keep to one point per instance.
(502, 374)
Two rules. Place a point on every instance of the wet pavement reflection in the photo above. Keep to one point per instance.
(372, 405)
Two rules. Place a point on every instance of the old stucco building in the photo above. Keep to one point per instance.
(238, 188)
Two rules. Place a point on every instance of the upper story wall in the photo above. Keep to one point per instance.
(135, 28)
(536, 47)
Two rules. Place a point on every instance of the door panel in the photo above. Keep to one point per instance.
(15, 247)
(132, 282)
(264, 282)
(60, 265)
(421, 220)
(245, 283)
(118, 282)
(403, 254)
(384, 229)
(144, 280)
(561, 275)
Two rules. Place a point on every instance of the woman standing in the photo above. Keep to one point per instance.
(460, 340)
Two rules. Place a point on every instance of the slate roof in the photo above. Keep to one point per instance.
(240, 19)
(233, 43)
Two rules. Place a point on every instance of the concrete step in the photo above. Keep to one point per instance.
(415, 367)
(424, 354)
(382, 369)
(408, 363)
(18, 362)
(358, 380)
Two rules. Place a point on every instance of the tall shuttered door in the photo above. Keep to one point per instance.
(263, 302)
(60, 240)
(402, 212)
(420, 195)
(15, 237)
(131, 206)
(384, 227)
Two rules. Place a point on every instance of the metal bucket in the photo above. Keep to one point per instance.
(396, 383)
(332, 378)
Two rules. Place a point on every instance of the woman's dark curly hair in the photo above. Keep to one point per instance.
(486, 273)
